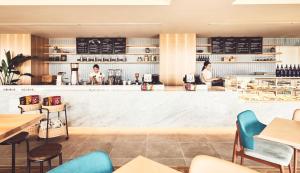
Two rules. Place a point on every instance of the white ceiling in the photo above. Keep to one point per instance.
(206, 18)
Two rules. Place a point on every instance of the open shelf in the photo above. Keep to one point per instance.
(102, 54)
(263, 54)
(92, 62)
(143, 46)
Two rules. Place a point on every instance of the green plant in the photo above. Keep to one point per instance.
(9, 74)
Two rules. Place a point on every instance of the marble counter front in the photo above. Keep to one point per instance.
(159, 109)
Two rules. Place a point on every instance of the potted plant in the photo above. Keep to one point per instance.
(9, 73)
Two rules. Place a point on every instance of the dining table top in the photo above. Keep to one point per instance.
(11, 124)
(144, 165)
(283, 131)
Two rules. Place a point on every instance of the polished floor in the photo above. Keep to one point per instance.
(173, 150)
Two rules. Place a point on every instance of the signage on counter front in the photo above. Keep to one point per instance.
(237, 45)
(101, 45)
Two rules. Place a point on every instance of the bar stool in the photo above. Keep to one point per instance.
(16, 139)
(56, 109)
(43, 153)
(30, 108)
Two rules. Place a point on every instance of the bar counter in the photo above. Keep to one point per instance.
(128, 107)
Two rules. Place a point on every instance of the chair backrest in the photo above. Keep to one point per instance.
(296, 115)
(95, 162)
(208, 164)
(248, 126)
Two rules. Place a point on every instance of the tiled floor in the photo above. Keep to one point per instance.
(173, 150)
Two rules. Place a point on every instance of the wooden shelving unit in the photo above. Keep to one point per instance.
(93, 62)
(263, 54)
(143, 46)
(102, 54)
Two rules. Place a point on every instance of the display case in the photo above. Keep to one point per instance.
(265, 88)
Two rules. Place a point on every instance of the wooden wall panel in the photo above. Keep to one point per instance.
(177, 57)
(17, 43)
(38, 49)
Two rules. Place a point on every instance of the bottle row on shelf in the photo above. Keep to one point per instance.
(288, 71)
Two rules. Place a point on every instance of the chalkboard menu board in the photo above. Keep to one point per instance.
(256, 44)
(120, 46)
(107, 46)
(230, 45)
(243, 46)
(82, 45)
(217, 45)
(94, 46)
(101, 45)
(237, 45)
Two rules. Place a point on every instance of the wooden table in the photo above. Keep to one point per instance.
(284, 131)
(143, 165)
(12, 124)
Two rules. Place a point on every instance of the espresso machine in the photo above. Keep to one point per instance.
(74, 74)
(59, 78)
(118, 77)
(111, 76)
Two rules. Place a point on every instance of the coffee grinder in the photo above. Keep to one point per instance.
(74, 74)
(118, 77)
(111, 76)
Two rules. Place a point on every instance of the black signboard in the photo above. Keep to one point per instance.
(217, 45)
(120, 46)
(94, 46)
(82, 45)
(243, 45)
(107, 46)
(230, 45)
(256, 44)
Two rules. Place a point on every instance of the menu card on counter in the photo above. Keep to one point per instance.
(243, 46)
(217, 45)
(82, 45)
(101, 45)
(230, 45)
(237, 45)
(256, 44)
(120, 46)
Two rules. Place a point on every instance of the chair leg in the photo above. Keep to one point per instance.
(290, 168)
(13, 158)
(60, 158)
(67, 128)
(234, 155)
(242, 160)
(295, 160)
(49, 164)
(41, 167)
(28, 166)
(281, 169)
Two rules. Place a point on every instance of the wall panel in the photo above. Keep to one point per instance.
(177, 57)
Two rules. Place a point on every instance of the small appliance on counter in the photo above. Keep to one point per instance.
(60, 78)
(74, 74)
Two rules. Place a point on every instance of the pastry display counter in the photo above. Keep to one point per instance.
(265, 88)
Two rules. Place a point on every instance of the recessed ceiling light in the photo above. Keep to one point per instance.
(85, 2)
(266, 2)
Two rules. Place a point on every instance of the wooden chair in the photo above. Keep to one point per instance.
(296, 117)
(267, 152)
(208, 164)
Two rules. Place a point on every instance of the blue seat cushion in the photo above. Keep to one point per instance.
(95, 162)
(270, 151)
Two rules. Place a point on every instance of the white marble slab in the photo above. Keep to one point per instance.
(160, 109)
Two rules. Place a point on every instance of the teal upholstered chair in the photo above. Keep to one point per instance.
(95, 162)
(246, 145)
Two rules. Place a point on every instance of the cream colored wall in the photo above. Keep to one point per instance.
(177, 57)
(289, 54)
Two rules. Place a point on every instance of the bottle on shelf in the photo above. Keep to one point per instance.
(286, 71)
(278, 71)
(282, 74)
(294, 71)
(298, 71)
(290, 71)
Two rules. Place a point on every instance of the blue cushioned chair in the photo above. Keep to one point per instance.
(95, 162)
(263, 151)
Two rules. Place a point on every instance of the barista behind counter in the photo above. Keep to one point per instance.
(207, 78)
(96, 76)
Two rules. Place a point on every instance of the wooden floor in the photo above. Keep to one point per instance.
(175, 151)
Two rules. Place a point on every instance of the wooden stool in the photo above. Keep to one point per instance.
(17, 139)
(56, 109)
(29, 108)
(43, 153)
